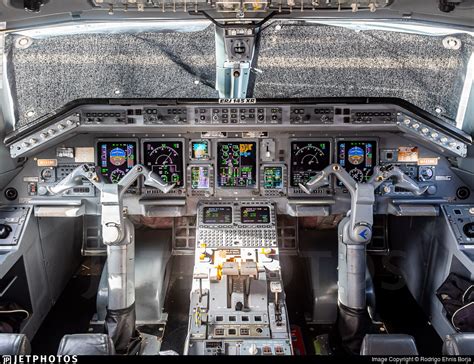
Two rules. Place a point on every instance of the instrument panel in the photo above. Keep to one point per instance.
(166, 159)
(188, 145)
(307, 159)
(358, 158)
(273, 177)
(236, 162)
(115, 158)
(240, 224)
(239, 166)
(217, 215)
(200, 150)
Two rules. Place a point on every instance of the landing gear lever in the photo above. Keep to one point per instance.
(118, 235)
(355, 232)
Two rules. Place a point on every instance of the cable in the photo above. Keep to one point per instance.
(17, 311)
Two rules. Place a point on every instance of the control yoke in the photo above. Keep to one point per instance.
(118, 235)
(381, 174)
(355, 230)
(362, 195)
(111, 195)
(75, 178)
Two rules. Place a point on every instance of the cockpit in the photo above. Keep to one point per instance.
(247, 212)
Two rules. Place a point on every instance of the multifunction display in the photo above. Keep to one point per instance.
(217, 215)
(200, 150)
(165, 158)
(358, 158)
(255, 215)
(273, 177)
(200, 177)
(237, 164)
(308, 158)
(116, 158)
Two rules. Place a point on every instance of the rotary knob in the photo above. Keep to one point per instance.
(5, 231)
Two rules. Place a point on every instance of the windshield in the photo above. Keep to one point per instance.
(301, 60)
(292, 59)
(55, 70)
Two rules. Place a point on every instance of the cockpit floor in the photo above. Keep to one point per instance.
(402, 314)
(73, 310)
(77, 304)
(177, 303)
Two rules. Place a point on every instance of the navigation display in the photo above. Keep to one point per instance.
(273, 177)
(116, 158)
(200, 177)
(217, 215)
(308, 158)
(165, 158)
(237, 164)
(358, 158)
(200, 150)
(255, 215)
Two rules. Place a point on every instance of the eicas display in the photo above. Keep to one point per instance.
(237, 164)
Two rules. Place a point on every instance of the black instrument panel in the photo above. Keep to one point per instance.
(307, 158)
(358, 158)
(235, 161)
(200, 177)
(116, 158)
(200, 150)
(217, 215)
(236, 164)
(273, 177)
(166, 159)
(255, 215)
